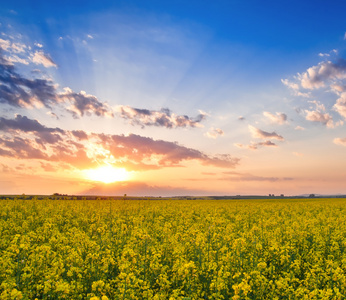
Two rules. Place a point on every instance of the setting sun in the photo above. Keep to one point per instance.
(107, 174)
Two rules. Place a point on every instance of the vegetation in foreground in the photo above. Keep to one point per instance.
(162, 249)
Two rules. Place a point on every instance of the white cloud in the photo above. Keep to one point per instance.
(319, 106)
(340, 105)
(290, 84)
(323, 54)
(261, 134)
(279, 118)
(318, 114)
(214, 133)
(334, 51)
(340, 141)
(4, 44)
(295, 87)
(338, 88)
(15, 59)
(255, 146)
(41, 58)
(324, 118)
(316, 77)
(299, 128)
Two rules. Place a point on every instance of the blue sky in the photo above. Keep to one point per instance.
(253, 93)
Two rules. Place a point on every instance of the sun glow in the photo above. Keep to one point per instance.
(107, 174)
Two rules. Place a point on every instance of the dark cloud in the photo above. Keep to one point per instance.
(80, 134)
(22, 123)
(21, 148)
(162, 118)
(84, 104)
(18, 91)
(25, 124)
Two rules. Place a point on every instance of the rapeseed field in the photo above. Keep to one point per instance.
(173, 249)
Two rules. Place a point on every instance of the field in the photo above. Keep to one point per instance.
(173, 249)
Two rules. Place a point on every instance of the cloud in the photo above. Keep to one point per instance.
(162, 118)
(146, 152)
(53, 115)
(316, 77)
(340, 105)
(21, 148)
(236, 176)
(83, 150)
(25, 124)
(39, 57)
(80, 134)
(5, 44)
(319, 115)
(214, 133)
(297, 154)
(48, 167)
(255, 146)
(84, 104)
(261, 134)
(241, 118)
(334, 51)
(279, 118)
(11, 47)
(299, 128)
(43, 135)
(15, 59)
(19, 91)
(295, 88)
(323, 54)
(316, 116)
(340, 141)
(141, 189)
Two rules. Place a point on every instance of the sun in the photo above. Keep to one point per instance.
(107, 174)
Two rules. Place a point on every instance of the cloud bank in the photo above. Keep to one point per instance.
(83, 150)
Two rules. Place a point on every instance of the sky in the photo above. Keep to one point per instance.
(172, 98)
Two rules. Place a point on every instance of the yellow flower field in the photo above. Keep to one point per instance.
(173, 249)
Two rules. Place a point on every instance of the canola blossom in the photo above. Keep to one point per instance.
(173, 249)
